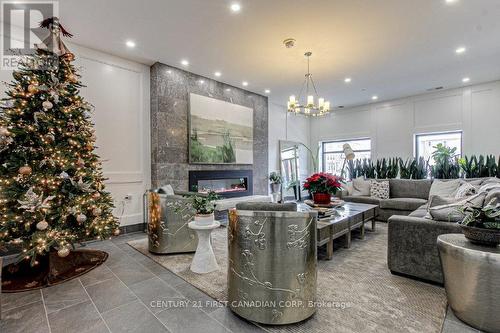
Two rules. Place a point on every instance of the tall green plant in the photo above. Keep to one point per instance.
(420, 169)
(405, 168)
(393, 168)
(445, 162)
(381, 168)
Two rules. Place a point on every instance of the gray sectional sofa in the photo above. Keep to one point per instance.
(412, 238)
(406, 195)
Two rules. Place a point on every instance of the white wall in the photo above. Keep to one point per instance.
(392, 125)
(284, 126)
(119, 90)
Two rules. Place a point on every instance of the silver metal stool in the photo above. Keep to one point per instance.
(272, 265)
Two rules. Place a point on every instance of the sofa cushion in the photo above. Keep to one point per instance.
(379, 189)
(402, 203)
(420, 211)
(362, 199)
(409, 188)
(445, 187)
(360, 186)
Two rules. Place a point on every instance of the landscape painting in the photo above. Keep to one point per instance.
(219, 132)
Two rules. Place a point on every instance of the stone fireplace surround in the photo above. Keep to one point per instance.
(170, 89)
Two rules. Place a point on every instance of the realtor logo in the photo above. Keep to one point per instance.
(20, 29)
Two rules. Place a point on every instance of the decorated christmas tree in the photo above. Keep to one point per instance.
(51, 182)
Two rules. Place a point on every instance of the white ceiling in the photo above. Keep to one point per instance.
(390, 48)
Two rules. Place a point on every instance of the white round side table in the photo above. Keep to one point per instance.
(204, 259)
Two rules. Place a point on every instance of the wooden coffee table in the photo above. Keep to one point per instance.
(349, 217)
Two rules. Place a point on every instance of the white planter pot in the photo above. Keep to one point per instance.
(204, 219)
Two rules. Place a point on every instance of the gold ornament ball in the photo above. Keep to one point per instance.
(73, 78)
(4, 131)
(97, 211)
(42, 225)
(80, 218)
(32, 89)
(96, 195)
(47, 105)
(64, 252)
(116, 232)
(80, 162)
(25, 170)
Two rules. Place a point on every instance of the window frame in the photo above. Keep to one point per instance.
(324, 152)
(415, 141)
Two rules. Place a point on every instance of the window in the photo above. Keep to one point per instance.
(333, 153)
(424, 143)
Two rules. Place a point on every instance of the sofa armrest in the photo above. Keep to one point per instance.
(412, 246)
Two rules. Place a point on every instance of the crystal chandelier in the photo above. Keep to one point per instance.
(308, 108)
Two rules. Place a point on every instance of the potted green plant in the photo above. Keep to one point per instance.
(322, 186)
(276, 181)
(481, 225)
(204, 206)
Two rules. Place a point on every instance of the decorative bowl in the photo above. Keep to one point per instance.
(481, 236)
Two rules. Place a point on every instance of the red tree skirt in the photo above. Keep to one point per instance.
(51, 270)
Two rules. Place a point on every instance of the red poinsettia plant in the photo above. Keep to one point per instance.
(323, 183)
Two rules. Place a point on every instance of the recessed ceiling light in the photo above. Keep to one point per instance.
(244, 83)
(217, 74)
(202, 81)
(451, 1)
(267, 91)
(235, 7)
(374, 97)
(169, 71)
(184, 62)
(130, 43)
(228, 89)
(465, 79)
(460, 50)
(347, 80)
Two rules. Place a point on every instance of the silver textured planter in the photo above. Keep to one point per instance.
(472, 281)
(272, 265)
(167, 223)
(275, 188)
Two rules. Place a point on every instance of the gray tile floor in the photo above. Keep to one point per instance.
(125, 295)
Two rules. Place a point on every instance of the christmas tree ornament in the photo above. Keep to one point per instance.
(53, 43)
(64, 252)
(96, 211)
(81, 218)
(42, 225)
(25, 170)
(116, 232)
(47, 105)
(96, 195)
(69, 57)
(80, 163)
(4, 131)
(72, 78)
(33, 89)
(50, 137)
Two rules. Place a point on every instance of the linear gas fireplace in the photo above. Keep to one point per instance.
(226, 183)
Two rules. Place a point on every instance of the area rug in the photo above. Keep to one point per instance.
(367, 297)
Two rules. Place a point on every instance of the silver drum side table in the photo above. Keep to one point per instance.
(472, 280)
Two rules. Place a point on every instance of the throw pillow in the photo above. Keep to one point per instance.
(444, 188)
(447, 209)
(361, 187)
(465, 190)
(379, 189)
(167, 189)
